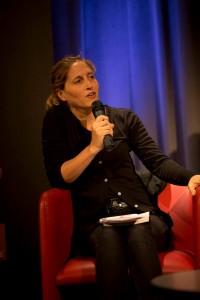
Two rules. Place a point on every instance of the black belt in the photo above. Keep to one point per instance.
(117, 207)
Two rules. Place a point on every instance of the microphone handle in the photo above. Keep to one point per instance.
(108, 143)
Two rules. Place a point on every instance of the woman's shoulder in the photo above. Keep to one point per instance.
(56, 112)
(120, 112)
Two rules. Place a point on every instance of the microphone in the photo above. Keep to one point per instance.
(98, 109)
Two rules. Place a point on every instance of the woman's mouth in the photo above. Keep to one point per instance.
(91, 95)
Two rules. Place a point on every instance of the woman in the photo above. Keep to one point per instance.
(105, 183)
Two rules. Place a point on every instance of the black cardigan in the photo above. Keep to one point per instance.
(110, 173)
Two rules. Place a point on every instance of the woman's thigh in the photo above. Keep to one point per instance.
(109, 242)
(161, 233)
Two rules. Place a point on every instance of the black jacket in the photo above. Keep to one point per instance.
(110, 173)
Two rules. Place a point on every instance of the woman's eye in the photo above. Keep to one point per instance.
(78, 81)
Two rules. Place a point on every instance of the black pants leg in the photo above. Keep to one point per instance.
(143, 245)
(111, 263)
(120, 250)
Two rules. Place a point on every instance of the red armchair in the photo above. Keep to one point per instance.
(56, 227)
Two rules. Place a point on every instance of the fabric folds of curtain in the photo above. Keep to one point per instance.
(147, 57)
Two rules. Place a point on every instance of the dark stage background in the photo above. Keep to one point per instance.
(147, 54)
(26, 60)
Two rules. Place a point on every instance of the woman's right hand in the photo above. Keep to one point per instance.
(73, 168)
(100, 128)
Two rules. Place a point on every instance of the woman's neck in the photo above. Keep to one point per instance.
(86, 118)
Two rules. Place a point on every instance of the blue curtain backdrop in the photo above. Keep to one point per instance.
(147, 57)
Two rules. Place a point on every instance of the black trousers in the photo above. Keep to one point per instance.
(128, 252)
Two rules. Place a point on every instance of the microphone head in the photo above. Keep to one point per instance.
(98, 108)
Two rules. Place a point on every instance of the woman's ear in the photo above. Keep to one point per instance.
(60, 94)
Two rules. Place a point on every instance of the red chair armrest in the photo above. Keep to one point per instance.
(56, 227)
(196, 218)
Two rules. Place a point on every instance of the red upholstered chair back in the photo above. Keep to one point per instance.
(56, 227)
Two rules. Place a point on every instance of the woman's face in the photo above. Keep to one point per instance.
(81, 87)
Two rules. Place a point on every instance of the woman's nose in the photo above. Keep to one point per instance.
(88, 84)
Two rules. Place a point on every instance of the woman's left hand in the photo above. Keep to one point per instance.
(194, 182)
